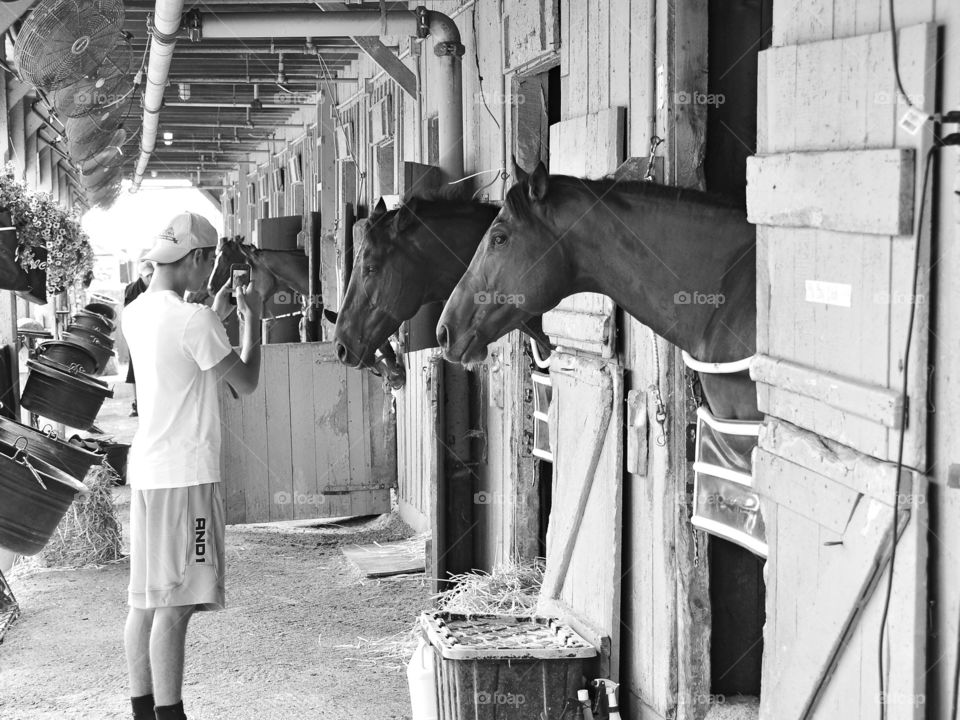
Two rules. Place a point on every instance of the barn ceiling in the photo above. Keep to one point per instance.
(238, 94)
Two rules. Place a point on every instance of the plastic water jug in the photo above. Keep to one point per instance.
(422, 680)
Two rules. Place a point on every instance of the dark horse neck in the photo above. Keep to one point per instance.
(680, 261)
(446, 245)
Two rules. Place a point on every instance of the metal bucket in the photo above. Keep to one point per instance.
(94, 321)
(35, 497)
(71, 353)
(100, 352)
(73, 399)
(91, 334)
(107, 311)
(71, 459)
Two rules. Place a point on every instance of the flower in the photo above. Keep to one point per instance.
(47, 235)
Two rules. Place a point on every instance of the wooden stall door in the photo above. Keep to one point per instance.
(315, 440)
(833, 191)
(582, 578)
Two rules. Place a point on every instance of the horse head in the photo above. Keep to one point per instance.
(234, 251)
(518, 273)
(408, 256)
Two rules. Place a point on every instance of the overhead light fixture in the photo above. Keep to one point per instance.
(153, 173)
(184, 91)
(168, 138)
(281, 75)
(255, 103)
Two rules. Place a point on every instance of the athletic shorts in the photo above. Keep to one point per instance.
(176, 548)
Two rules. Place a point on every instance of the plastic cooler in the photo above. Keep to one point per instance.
(491, 667)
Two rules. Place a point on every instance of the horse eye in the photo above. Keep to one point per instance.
(499, 239)
(369, 269)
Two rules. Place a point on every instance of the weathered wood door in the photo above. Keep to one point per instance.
(834, 191)
(316, 439)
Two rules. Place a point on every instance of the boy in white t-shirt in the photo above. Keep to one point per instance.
(181, 352)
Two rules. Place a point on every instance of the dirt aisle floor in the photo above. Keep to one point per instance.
(272, 654)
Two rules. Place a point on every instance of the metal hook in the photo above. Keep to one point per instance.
(655, 142)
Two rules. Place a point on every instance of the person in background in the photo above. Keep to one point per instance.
(130, 293)
(176, 506)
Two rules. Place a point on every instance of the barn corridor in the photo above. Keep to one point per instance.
(285, 647)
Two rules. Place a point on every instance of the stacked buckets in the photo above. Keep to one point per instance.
(62, 384)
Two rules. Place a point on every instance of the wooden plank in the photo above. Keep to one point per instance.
(688, 127)
(642, 77)
(305, 471)
(868, 401)
(386, 559)
(231, 422)
(619, 21)
(862, 474)
(849, 576)
(779, 191)
(331, 454)
(808, 494)
(387, 61)
(591, 585)
(598, 54)
(578, 68)
(256, 456)
(593, 329)
(276, 377)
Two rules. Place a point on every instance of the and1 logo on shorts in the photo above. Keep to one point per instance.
(200, 540)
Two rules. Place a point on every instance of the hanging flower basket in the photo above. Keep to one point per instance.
(51, 247)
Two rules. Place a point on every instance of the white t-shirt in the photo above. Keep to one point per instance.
(173, 346)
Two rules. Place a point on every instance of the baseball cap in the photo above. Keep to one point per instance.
(186, 232)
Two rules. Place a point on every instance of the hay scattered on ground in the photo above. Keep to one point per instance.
(511, 589)
(89, 533)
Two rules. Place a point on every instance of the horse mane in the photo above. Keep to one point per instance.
(562, 186)
(448, 200)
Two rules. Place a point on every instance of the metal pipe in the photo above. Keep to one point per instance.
(240, 104)
(166, 24)
(344, 23)
(291, 79)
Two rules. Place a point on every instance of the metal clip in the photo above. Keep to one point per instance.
(21, 457)
(655, 142)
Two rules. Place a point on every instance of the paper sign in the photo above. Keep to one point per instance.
(828, 293)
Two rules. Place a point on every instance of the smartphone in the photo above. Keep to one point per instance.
(239, 276)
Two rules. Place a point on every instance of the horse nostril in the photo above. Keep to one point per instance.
(443, 337)
(341, 352)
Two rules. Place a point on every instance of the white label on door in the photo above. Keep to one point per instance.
(829, 293)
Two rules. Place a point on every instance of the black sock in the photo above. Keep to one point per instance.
(170, 712)
(143, 707)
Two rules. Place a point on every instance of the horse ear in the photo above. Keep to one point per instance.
(538, 182)
(381, 207)
(407, 215)
(518, 172)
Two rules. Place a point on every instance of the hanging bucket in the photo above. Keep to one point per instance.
(54, 392)
(100, 352)
(72, 459)
(102, 309)
(94, 321)
(36, 496)
(71, 353)
(94, 336)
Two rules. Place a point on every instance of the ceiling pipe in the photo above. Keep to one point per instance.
(238, 104)
(292, 79)
(420, 22)
(166, 25)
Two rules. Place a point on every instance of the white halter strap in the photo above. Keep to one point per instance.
(724, 368)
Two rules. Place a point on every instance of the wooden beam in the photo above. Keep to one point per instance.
(780, 191)
(387, 61)
(16, 90)
(879, 404)
(32, 124)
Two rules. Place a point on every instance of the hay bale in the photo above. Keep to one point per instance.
(511, 589)
(89, 533)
